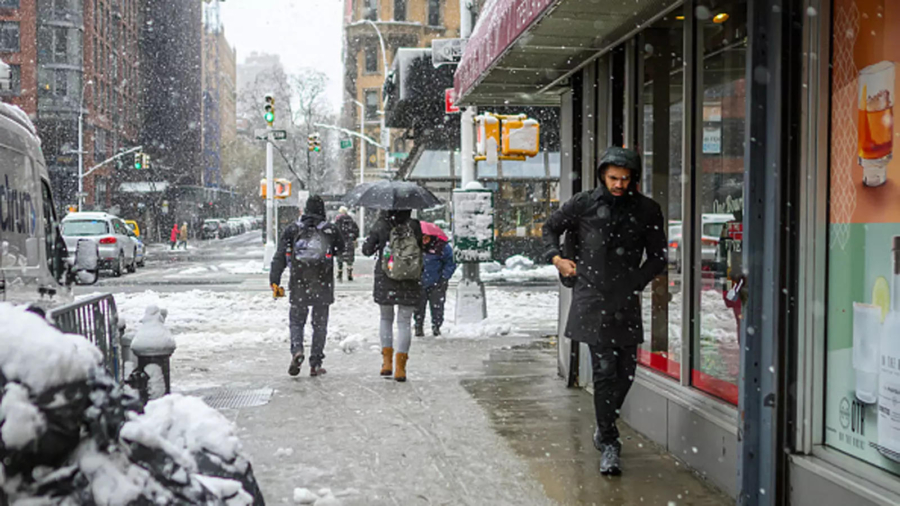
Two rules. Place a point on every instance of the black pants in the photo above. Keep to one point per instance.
(298, 316)
(613, 370)
(433, 296)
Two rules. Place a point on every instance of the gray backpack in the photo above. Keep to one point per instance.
(403, 259)
(311, 248)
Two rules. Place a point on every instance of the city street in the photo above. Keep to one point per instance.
(483, 419)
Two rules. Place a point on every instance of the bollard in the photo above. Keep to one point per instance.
(153, 346)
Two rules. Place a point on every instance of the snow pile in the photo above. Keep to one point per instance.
(480, 330)
(152, 337)
(324, 497)
(183, 426)
(39, 356)
(248, 267)
(518, 268)
(22, 422)
(519, 262)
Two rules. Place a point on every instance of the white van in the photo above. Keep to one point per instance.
(33, 267)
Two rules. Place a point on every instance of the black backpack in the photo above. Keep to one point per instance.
(311, 247)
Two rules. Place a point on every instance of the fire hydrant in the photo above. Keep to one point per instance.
(153, 345)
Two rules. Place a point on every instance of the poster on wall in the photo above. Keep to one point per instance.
(862, 391)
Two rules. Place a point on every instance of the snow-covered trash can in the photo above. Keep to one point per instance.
(70, 434)
(153, 345)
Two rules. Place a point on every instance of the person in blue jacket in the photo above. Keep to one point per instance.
(438, 268)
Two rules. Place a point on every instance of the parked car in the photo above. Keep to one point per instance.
(710, 230)
(118, 252)
(134, 227)
(33, 268)
(237, 225)
(140, 259)
(210, 229)
(674, 238)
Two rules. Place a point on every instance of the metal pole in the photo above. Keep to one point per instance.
(471, 288)
(270, 201)
(362, 165)
(81, 146)
(385, 135)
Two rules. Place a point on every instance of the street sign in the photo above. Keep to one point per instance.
(450, 101)
(277, 135)
(447, 51)
(81, 194)
(347, 143)
(399, 155)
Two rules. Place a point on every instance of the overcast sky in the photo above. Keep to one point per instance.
(305, 33)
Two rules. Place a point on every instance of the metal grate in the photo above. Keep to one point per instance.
(229, 398)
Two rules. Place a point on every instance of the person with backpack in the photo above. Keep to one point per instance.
(350, 230)
(309, 245)
(439, 268)
(397, 240)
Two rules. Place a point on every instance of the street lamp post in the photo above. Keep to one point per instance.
(385, 136)
(362, 158)
(81, 146)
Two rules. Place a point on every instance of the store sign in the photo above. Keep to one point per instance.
(509, 20)
(712, 140)
(450, 101)
(862, 385)
(473, 226)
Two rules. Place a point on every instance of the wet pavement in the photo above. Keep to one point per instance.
(479, 422)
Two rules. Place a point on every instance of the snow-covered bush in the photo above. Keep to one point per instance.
(70, 435)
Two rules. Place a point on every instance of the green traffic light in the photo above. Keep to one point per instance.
(270, 117)
(137, 166)
(317, 149)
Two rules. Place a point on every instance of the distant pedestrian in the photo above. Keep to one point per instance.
(183, 235)
(397, 240)
(350, 230)
(439, 268)
(615, 227)
(173, 236)
(309, 245)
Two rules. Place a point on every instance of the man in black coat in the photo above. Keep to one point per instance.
(614, 227)
(309, 245)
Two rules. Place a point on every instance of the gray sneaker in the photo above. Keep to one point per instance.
(610, 463)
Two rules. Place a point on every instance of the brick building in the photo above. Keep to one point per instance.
(402, 23)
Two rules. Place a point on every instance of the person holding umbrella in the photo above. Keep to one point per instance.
(396, 239)
(439, 268)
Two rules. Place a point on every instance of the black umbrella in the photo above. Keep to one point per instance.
(391, 195)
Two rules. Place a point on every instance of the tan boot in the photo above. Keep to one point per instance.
(387, 364)
(400, 370)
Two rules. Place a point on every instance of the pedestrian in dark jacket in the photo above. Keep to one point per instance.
(309, 246)
(390, 293)
(615, 227)
(439, 268)
(350, 230)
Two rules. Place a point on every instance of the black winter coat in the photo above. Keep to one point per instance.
(308, 286)
(613, 235)
(389, 292)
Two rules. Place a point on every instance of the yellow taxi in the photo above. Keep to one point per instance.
(134, 227)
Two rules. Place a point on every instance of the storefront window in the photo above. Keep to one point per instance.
(660, 145)
(720, 195)
(862, 385)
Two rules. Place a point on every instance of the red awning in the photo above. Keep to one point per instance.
(500, 24)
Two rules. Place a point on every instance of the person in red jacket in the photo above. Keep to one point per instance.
(173, 238)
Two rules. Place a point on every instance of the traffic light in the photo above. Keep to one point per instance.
(145, 158)
(138, 160)
(270, 109)
(315, 144)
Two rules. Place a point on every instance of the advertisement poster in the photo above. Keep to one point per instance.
(862, 390)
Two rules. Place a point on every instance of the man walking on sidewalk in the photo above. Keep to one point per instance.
(350, 231)
(614, 226)
(309, 244)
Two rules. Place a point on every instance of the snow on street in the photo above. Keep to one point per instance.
(483, 419)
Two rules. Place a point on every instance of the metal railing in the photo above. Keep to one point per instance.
(97, 319)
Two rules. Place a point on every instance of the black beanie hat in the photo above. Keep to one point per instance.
(315, 206)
